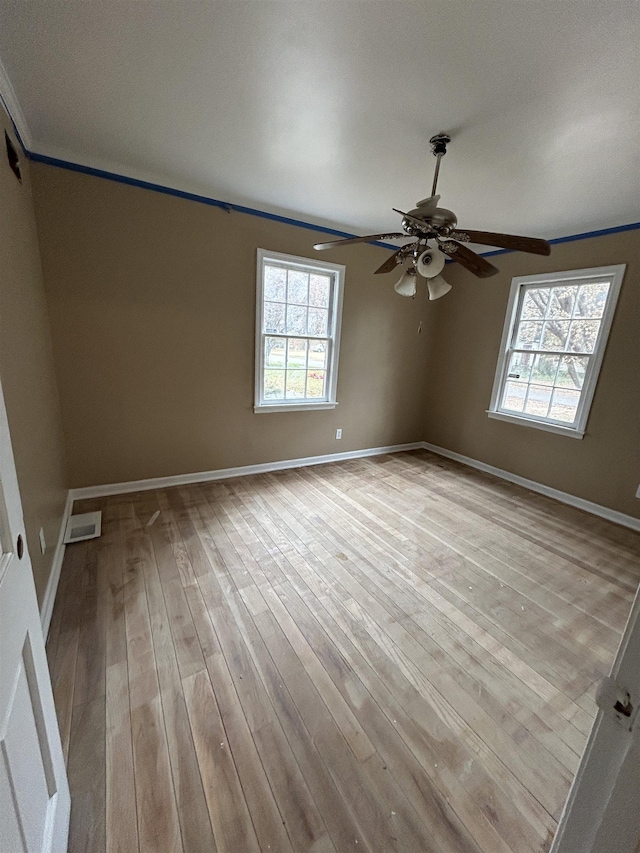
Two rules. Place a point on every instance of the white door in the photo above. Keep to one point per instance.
(34, 794)
(602, 813)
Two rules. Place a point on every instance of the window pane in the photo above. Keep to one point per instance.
(591, 300)
(545, 369)
(273, 385)
(295, 384)
(296, 354)
(555, 334)
(317, 354)
(319, 289)
(318, 321)
(514, 394)
(583, 334)
(572, 370)
(274, 352)
(298, 287)
(520, 366)
(274, 317)
(565, 405)
(535, 303)
(315, 383)
(296, 320)
(538, 400)
(529, 335)
(562, 301)
(275, 281)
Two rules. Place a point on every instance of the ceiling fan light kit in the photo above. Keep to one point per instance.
(437, 287)
(431, 262)
(436, 237)
(406, 285)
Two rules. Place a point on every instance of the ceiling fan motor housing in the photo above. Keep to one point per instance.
(437, 218)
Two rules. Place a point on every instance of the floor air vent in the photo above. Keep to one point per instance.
(87, 525)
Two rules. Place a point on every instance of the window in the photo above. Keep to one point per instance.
(553, 342)
(299, 306)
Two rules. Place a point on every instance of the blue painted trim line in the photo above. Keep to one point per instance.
(212, 202)
(275, 217)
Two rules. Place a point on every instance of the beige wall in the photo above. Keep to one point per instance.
(464, 341)
(151, 300)
(152, 306)
(26, 368)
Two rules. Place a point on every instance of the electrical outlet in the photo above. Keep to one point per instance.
(638, 492)
(43, 544)
(339, 433)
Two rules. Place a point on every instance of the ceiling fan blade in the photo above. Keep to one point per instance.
(332, 244)
(532, 245)
(468, 259)
(392, 262)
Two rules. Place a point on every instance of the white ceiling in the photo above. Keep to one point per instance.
(323, 110)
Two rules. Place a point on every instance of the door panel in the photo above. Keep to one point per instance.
(34, 794)
(23, 766)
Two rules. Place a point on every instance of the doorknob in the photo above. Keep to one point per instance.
(20, 546)
(615, 701)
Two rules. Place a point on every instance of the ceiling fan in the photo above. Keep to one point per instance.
(436, 235)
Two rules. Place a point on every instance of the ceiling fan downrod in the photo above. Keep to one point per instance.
(439, 144)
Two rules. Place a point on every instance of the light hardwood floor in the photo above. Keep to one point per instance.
(388, 654)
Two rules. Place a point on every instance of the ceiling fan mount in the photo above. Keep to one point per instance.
(428, 222)
(439, 144)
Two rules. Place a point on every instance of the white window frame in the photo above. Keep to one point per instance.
(337, 271)
(519, 285)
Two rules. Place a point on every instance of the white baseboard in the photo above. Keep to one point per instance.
(563, 497)
(54, 576)
(226, 473)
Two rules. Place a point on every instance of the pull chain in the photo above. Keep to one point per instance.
(420, 324)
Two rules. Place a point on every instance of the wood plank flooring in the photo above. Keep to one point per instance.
(388, 654)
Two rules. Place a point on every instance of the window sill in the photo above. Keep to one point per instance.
(294, 407)
(572, 432)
